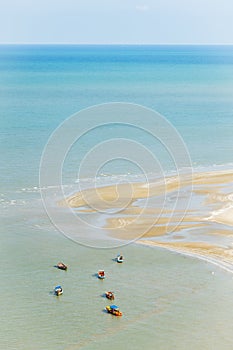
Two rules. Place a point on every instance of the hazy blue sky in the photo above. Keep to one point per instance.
(116, 21)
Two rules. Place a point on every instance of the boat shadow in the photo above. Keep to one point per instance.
(52, 293)
(57, 267)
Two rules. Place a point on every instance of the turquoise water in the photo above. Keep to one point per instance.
(168, 301)
(43, 85)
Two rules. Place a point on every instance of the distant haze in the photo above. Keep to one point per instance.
(117, 22)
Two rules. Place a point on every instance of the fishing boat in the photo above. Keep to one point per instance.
(58, 290)
(101, 274)
(120, 258)
(114, 310)
(61, 266)
(109, 295)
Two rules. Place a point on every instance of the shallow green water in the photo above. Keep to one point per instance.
(168, 301)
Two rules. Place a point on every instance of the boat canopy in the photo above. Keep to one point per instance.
(58, 287)
(114, 307)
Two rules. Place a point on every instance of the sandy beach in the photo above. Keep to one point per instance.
(217, 255)
(204, 183)
(166, 217)
(215, 189)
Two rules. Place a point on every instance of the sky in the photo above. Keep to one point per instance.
(116, 21)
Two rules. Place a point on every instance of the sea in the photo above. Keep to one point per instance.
(169, 300)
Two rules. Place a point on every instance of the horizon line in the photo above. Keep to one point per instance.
(115, 44)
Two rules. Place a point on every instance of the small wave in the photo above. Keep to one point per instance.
(34, 189)
(108, 179)
(223, 215)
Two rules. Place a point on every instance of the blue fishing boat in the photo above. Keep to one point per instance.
(114, 310)
(58, 290)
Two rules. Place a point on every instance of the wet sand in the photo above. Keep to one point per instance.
(124, 195)
(218, 255)
(185, 228)
(130, 228)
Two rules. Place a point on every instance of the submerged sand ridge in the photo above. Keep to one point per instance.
(216, 204)
(107, 197)
(132, 191)
(161, 210)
